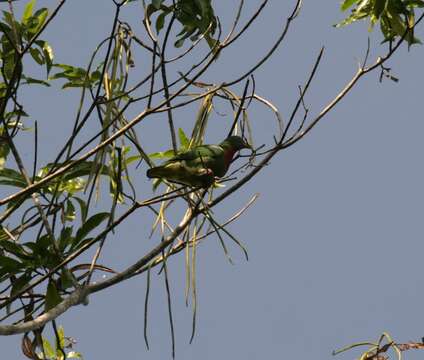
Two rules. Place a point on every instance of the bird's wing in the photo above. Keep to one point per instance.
(204, 152)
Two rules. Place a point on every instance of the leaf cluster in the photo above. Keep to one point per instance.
(197, 18)
(396, 17)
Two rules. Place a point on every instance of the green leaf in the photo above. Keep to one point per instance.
(90, 225)
(37, 56)
(162, 154)
(379, 6)
(8, 17)
(179, 43)
(73, 355)
(4, 151)
(65, 237)
(20, 283)
(184, 141)
(47, 53)
(15, 113)
(37, 21)
(44, 242)
(156, 184)
(77, 77)
(160, 21)
(28, 11)
(83, 208)
(157, 3)
(3, 88)
(66, 280)
(10, 247)
(12, 177)
(14, 248)
(69, 72)
(52, 296)
(347, 4)
(9, 64)
(397, 25)
(3, 234)
(350, 19)
(72, 180)
(29, 80)
(69, 214)
(48, 349)
(61, 337)
(9, 265)
(83, 169)
(130, 159)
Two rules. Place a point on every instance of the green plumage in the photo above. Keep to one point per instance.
(199, 166)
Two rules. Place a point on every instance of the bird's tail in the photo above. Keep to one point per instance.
(156, 172)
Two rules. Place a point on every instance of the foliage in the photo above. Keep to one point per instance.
(197, 18)
(396, 17)
(63, 348)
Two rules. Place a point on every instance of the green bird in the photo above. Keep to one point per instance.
(199, 166)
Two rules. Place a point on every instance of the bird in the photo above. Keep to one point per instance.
(199, 166)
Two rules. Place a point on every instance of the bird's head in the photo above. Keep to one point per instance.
(235, 143)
